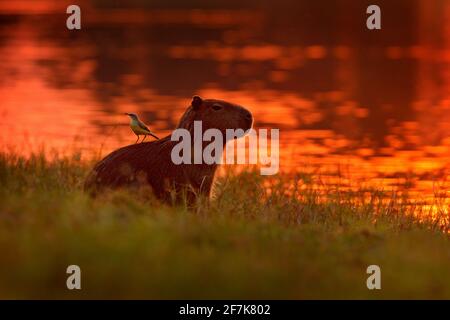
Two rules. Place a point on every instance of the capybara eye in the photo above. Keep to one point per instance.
(217, 107)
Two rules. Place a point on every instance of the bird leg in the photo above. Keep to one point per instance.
(145, 136)
(137, 139)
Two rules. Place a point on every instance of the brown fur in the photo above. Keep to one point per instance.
(150, 164)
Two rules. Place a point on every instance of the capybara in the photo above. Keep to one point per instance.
(150, 163)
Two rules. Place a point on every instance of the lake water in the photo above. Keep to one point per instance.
(358, 106)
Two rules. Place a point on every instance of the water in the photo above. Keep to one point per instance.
(357, 106)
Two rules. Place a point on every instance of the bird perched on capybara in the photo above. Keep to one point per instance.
(151, 164)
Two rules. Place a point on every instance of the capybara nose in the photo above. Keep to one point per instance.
(248, 119)
(247, 115)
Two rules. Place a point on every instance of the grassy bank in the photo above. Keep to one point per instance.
(251, 241)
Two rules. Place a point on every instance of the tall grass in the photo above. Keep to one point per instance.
(258, 237)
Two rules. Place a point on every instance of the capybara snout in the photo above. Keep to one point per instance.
(248, 119)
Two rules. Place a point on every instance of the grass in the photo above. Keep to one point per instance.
(259, 238)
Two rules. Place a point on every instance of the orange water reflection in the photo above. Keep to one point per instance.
(358, 109)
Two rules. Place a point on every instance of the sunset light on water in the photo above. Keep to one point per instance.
(371, 110)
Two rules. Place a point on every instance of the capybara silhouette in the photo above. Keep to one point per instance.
(150, 163)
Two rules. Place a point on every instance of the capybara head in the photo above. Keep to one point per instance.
(217, 114)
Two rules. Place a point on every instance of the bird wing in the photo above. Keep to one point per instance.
(143, 126)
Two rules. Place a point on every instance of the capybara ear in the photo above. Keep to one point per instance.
(196, 102)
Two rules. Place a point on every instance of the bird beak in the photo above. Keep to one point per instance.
(126, 113)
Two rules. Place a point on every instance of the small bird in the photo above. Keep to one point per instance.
(139, 128)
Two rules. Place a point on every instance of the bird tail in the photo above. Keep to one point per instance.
(154, 136)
